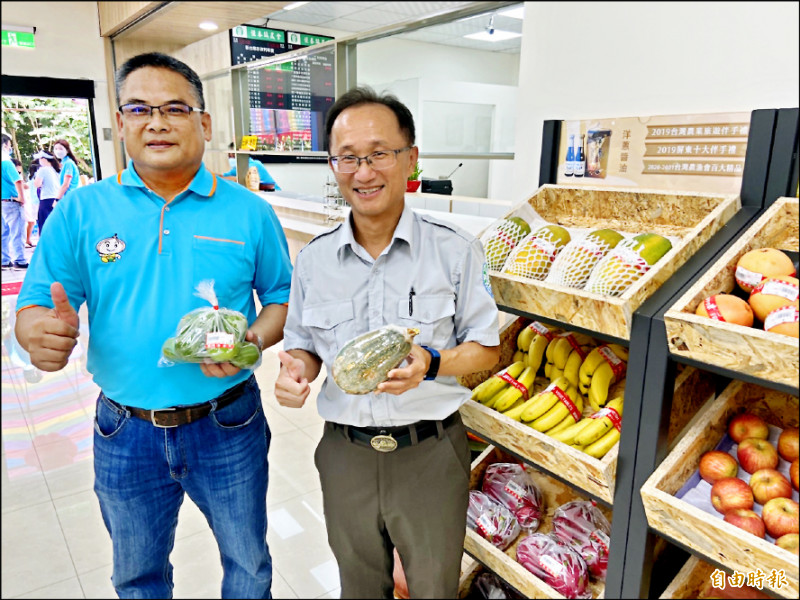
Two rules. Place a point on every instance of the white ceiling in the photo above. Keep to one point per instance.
(355, 17)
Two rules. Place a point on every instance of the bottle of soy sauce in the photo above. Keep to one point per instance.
(580, 161)
(569, 167)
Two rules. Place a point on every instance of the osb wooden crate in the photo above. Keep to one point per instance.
(694, 581)
(708, 534)
(691, 217)
(504, 563)
(595, 476)
(771, 356)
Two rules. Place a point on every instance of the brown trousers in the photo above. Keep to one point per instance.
(414, 498)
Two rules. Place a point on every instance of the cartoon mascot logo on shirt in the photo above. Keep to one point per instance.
(110, 249)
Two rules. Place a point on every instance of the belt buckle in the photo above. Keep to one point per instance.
(153, 417)
(383, 443)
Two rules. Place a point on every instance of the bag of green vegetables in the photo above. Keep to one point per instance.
(210, 332)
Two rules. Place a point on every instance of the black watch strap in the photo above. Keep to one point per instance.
(436, 358)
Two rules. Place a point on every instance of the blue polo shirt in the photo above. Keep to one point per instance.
(135, 261)
(68, 167)
(10, 176)
(263, 174)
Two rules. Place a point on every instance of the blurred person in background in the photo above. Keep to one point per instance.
(48, 184)
(69, 174)
(13, 211)
(266, 182)
(31, 202)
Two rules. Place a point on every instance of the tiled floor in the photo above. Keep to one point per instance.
(54, 541)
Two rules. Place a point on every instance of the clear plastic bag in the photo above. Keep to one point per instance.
(555, 563)
(510, 485)
(493, 522)
(581, 525)
(210, 333)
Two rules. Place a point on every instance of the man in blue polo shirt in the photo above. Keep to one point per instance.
(133, 247)
(267, 183)
(13, 213)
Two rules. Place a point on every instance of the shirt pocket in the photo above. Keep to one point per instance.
(222, 260)
(332, 325)
(433, 315)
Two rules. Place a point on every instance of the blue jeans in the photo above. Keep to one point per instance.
(142, 472)
(13, 232)
(45, 208)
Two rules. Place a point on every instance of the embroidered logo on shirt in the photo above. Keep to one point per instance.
(110, 248)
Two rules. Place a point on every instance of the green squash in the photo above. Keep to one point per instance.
(364, 361)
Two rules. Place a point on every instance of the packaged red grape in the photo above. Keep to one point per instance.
(510, 485)
(582, 526)
(555, 563)
(490, 520)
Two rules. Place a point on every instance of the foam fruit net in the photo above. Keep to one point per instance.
(533, 257)
(575, 262)
(499, 241)
(617, 270)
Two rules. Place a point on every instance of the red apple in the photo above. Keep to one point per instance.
(716, 464)
(746, 519)
(789, 444)
(730, 493)
(768, 484)
(794, 472)
(747, 425)
(790, 542)
(755, 454)
(781, 516)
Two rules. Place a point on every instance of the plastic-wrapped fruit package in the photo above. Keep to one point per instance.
(499, 241)
(493, 522)
(555, 563)
(511, 486)
(581, 525)
(534, 255)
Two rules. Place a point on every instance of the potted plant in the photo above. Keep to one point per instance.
(413, 183)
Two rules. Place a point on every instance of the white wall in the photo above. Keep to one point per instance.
(68, 46)
(583, 60)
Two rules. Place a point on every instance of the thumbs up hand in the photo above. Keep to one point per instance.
(291, 386)
(54, 333)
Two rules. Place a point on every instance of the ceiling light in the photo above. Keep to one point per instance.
(498, 36)
(208, 26)
(517, 12)
(294, 5)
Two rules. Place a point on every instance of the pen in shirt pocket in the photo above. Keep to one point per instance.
(411, 301)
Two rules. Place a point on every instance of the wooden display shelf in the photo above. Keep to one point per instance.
(747, 350)
(691, 217)
(705, 534)
(504, 563)
(594, 476)
(694, 581)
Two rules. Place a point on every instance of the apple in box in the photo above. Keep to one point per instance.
(788, 444)
(790, 542)
(746, 519)
(747, 425)
(716, 465)
(730, 493)
(781, 516)
(755, 454)
(768, 484)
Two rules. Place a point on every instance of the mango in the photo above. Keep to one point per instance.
(756, 265)
(533, 257)
(575, 262)
(500, 241)
(626, 263)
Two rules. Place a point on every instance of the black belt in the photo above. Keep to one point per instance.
(9, 199)
(387, 439)
(178, 415)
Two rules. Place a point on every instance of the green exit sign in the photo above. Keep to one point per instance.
(18, 39)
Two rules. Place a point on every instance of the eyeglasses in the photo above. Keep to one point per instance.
(173, 111)
(383, 159)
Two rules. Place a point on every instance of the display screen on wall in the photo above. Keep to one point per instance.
(288, 101)
(703, 152)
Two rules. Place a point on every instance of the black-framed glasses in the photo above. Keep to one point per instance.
(382, 159)
(170, 110)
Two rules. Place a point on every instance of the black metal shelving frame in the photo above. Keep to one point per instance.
(770, 172)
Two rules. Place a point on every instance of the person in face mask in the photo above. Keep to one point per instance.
(70, 176)
(267, 182)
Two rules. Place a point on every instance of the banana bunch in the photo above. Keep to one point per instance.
(564, 359)
(596, 374)
(533, 341)
(595, 435)
(545, 411)
(486, 391)
(509, 395)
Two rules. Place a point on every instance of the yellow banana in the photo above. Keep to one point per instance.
(601, 380)
(511, 394)
(486, 390)
(582, 339)
(563, 424)
(561, 352)
(525, 338)
(593, 403)
(545, 401)
(620, 351)
(550, 350)
(548, 366)
(577, 447)
(599, 425)
(555, 373)
(516, 410)
(554, 416)
(567, 435)
(519, 355)
(589, 365)
(599, 448)
(536, 352)
(571, 368)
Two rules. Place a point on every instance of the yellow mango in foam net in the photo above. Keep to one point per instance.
(533, 257)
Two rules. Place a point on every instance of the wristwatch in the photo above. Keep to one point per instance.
(433, 369)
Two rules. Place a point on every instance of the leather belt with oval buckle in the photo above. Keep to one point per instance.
(383, 443)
